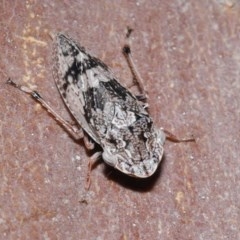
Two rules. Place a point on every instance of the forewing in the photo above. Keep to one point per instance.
(87, 86)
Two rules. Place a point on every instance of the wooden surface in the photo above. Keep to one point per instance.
(188, 52)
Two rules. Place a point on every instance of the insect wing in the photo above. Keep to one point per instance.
(107, 111)
(74, 73)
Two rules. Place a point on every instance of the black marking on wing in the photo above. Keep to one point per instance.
(79, 68)
(116, 89)
(110, 91)
(73, 71)
(93, 62)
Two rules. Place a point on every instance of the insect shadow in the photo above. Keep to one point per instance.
(135, 184)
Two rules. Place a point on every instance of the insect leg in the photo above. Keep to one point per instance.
(77, 133)
(137, 77)
(91, 162)
(173, 138)
(88, 143)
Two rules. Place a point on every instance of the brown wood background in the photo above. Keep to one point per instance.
(188, 52)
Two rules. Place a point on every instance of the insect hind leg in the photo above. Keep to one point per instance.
(77, 133)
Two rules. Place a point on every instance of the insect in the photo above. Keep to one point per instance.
(106, 112)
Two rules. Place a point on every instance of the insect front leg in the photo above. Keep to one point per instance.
(91, 162)
(77, 133)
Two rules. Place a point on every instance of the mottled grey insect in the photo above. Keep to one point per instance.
(108, 113)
